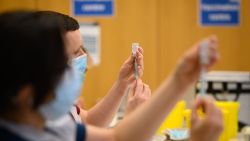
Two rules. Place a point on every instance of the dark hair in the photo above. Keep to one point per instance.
(68, 23)
(32, 53)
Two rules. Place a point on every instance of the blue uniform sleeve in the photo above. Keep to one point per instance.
(80, 132)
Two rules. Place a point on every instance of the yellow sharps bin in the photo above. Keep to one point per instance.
(175, 118)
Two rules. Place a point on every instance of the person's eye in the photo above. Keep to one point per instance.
(78, 53)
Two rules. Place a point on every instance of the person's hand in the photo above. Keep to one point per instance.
(188, 68)
(126, 73)
(138, 94)
(210, 126)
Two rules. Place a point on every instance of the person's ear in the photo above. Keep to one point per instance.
(25, 96)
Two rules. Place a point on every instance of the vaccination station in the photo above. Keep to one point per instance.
(125, 70)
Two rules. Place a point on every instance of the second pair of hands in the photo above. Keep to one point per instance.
(187, 70)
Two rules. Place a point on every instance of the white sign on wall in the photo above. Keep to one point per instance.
(91, 40)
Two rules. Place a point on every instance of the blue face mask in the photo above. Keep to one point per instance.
(80, 63)
(66, 94)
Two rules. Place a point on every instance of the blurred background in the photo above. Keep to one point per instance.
(164, 28)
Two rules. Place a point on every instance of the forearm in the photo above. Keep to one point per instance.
(103, 112)
(143, 123)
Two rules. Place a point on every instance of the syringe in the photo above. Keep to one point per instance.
(204, 60)
(135, 47)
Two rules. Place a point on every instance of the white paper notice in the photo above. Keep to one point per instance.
(91, 41)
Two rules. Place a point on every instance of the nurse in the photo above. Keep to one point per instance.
(103, 112)
(40, 85)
